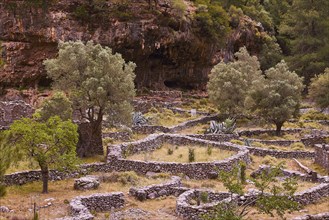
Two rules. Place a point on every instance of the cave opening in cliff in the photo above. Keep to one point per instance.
(44, 82)
(175, 84)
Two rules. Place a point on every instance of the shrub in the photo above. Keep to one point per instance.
(209, 150)
(191, 155)
(243, 168)
(204, 197)
(170, 151)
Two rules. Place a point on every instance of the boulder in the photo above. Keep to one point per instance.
(86, 183)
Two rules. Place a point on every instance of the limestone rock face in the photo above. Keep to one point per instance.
(167, 51)
(85, 183)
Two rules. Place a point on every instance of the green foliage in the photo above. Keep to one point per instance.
(179, 6)
(204, 196)
(170, 151)
(58, 104)
(274, 197)
(97, 81)
(231, 181)
(7, 157)
(277, 97)
(191, 155)
(229, 83)
(319, 90)
(209, 150)
(212, 21)
(280, 193)
(243, 168)
(305, 28)
(51, 144)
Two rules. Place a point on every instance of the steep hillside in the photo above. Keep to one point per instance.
(168, 42)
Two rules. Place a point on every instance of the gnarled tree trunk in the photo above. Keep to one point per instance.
(278, 128)
(90, 139)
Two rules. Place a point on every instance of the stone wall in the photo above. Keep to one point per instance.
(150, 129)
(322, 156)
(13, 110)
(313, 194)
(120, 135)
(321, 216)
(196, 170)
(192, 212)
(249, 133)
(280, 154)
(156, 190)
(81, 206)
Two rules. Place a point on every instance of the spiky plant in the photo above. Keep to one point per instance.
(139, 119)
(226, 127)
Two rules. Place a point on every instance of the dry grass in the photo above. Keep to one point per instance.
(21, 198)
(180, 154)
(166, 117)
(197, 129)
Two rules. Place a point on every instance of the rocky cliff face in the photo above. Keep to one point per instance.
(160, 41)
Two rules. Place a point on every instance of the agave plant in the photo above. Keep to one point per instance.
(139, 119)
(226, 127)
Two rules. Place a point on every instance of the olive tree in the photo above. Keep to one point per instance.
(276, 97)
(98, 82)
(229, 82)
(319, 90)
(52, 144)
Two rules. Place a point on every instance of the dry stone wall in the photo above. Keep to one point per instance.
(13, 110)
(196, 170)
(82, 206)
(156, 190)
(322, 156)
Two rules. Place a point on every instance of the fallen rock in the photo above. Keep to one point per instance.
(86, 182)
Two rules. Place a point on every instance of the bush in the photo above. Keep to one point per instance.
(209, 150)
(191, 155)
(170, 151)
(204, 197)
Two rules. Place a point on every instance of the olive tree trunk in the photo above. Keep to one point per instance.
(278, 128)
(90, 139)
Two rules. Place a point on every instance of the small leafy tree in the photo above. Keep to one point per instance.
(276, 97)
(6, 159)
(51, 144)
(319, 90)
(274, 196)
(229, 82)
(58, 104)
(98, 82)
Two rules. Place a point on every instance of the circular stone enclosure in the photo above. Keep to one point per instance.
(117, 154)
